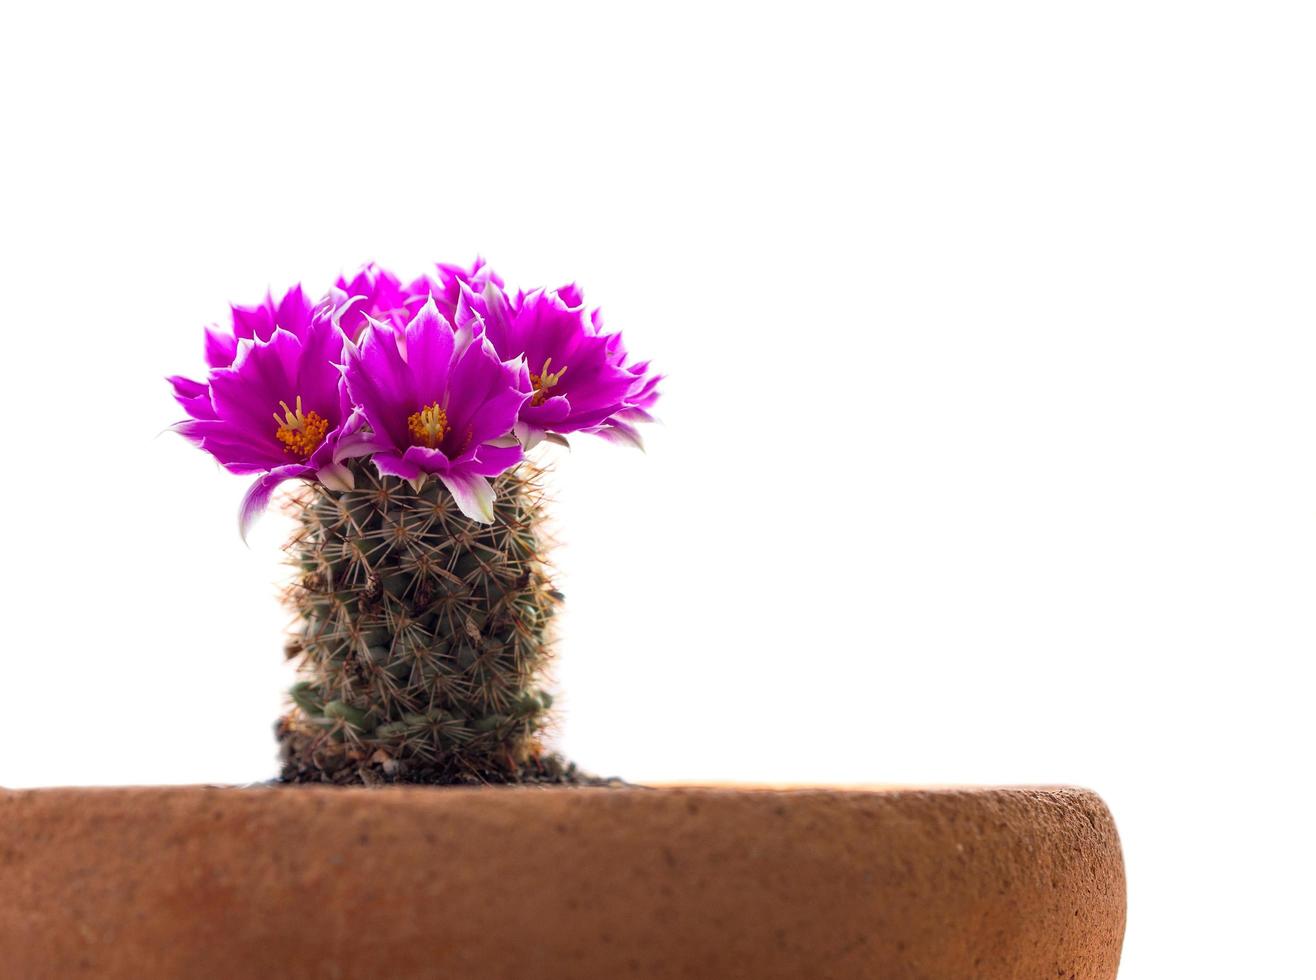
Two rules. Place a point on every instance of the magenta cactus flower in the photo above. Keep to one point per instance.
(578, 377)
(445, 407)
(281, 410)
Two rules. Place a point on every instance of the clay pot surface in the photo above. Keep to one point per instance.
(198, 882)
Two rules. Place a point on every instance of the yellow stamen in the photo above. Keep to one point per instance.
(428, 426)
(300, 432)
(544, 380)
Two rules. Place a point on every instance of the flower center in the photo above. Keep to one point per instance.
(300, 432)
(545, 380)
(428, 426)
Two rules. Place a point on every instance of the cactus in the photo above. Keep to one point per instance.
(423, 636)
(423, 608)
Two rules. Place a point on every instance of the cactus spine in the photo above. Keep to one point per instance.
(423, 637)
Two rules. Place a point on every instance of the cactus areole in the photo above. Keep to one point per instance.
(402, 415)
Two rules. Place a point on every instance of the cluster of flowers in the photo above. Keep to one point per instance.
(449, 377)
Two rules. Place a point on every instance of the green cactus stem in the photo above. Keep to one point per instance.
(423, 637)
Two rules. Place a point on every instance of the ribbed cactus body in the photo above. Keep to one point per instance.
(423, 636)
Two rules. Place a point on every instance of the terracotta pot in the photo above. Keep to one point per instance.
(191, 882)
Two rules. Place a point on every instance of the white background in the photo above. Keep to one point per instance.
(987, 442)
